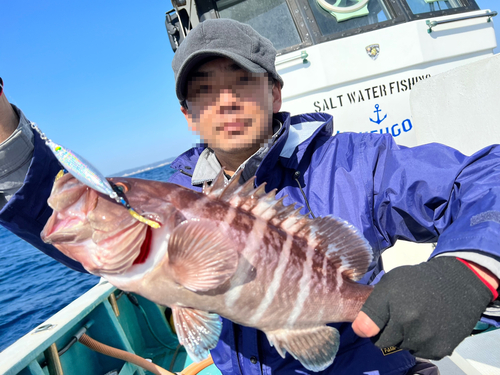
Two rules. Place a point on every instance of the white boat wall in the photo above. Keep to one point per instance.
(460, 108)
(372, 95)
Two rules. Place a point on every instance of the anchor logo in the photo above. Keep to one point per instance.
(377, 111)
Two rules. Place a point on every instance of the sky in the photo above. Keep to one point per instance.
(96, 77)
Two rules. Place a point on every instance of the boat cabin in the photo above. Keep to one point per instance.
(355, 59)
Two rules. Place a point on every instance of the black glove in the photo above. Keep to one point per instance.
(429, 308)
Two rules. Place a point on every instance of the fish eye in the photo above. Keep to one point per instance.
(122, 187)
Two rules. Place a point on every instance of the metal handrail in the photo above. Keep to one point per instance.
(431, 24)
(303, 55)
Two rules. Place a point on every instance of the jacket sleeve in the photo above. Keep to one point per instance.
(16, 153)
(433, 192)
(27, 211)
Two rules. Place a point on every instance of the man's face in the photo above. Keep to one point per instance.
(230, 108)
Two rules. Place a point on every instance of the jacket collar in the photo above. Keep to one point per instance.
(186, 162)
(302, 135)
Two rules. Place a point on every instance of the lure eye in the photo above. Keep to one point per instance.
(122, 187)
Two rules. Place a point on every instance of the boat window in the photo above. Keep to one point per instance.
(425, 6)
(271, 18)
(336, 16)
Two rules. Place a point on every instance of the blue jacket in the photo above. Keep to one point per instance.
(385, 190)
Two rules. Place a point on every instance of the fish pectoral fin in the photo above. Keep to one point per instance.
(314, 347)
(197, 330)
(200, 256)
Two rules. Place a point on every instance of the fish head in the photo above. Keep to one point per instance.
(100, 233)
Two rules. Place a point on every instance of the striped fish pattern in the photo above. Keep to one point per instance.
(233, 250)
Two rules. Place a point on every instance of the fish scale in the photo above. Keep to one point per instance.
(233, 250)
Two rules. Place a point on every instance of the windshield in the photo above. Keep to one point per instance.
(425, 6)
(294, 24)
(271, 18)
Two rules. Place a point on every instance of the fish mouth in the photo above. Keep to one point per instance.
(72, 227)
(94, 230)
(100, 248)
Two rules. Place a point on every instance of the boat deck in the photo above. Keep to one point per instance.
(124, 325)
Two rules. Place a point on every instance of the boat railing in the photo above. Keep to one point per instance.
(432, 24)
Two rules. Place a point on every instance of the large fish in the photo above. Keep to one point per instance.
(232, 250)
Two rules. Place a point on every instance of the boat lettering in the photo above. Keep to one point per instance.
(369, 93)
(395, 130)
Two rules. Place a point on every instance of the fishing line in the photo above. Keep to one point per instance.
(87, 174)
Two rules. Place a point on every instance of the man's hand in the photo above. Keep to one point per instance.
(427, 309)
(8, 118)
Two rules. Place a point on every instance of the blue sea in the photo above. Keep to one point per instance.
(34, 287)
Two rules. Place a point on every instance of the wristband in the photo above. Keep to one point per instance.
(1, 86)
(490, 287)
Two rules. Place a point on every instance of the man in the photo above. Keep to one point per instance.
(230, 94)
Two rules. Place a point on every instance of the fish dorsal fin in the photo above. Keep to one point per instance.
(205, 188)
(265, 203)
(217, 187)
(252, 199)
(314, 347)
(295, 221)
(197, 330)
(240, 194)
(225, 192)
(232, 187)
(342, 243)
(282, 212)
(245, 196)
(200, 256)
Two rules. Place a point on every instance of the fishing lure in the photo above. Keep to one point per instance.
(86, 173)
